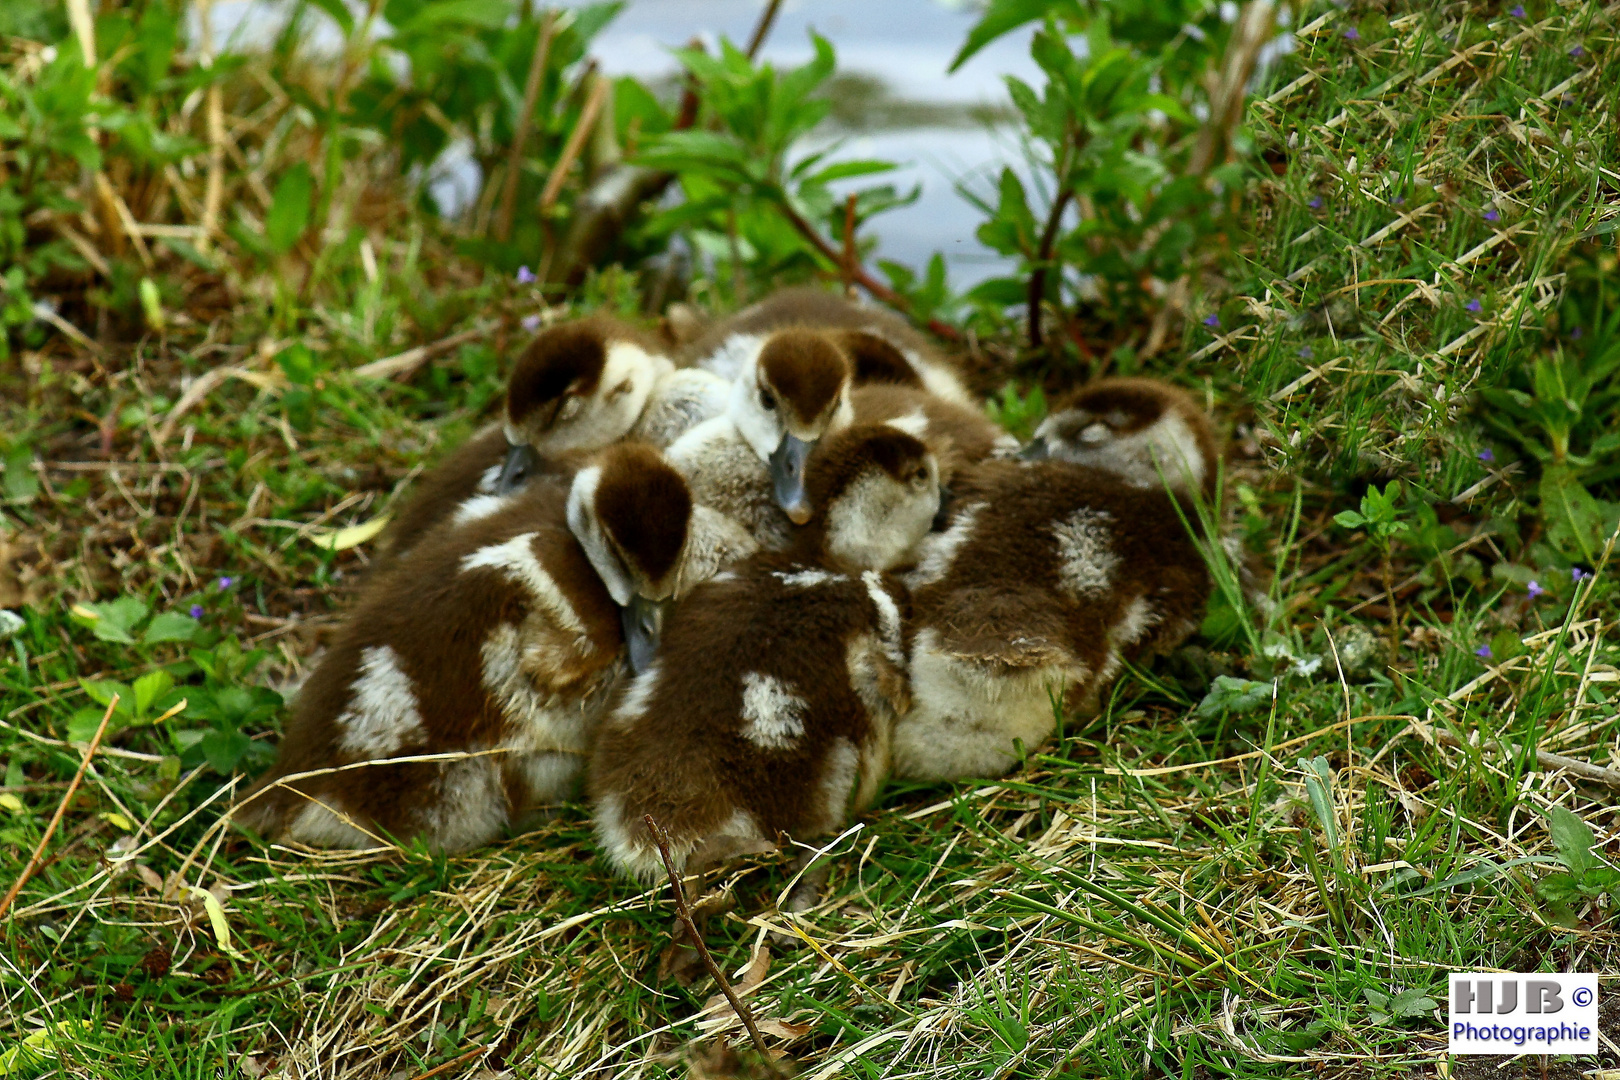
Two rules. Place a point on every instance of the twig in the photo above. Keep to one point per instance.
(61, 808)
(880, 291)
(406, 363)
(594, 97)
(520, 135)
(1546, 758)
(214, 191)
(84, 28)
(762, 29)
(438, 1070)
(1043, 255)
(71, 332)
(684, 913)
(852, 258)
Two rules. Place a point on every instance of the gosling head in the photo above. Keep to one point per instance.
(795, 391)
(632, 513)
(1139, 429)
(876, 493)
(578, 386)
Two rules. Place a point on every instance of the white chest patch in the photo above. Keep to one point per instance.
(382, 715)
(517, 559)
(1086, 559)
(477, 508)
(808, 579)
(773, 715)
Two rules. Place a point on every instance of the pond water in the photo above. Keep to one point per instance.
(896, 99)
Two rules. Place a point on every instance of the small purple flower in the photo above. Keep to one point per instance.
(1213, 322)
(1483, 652)
(1487, 455)
(1567, 100)
(1576, 334)
(1534, 589)
(1352, 34)
(1474, 305)
(1576, 574)
(1576, 51)
(1492, 215)
(1306, 352)
(531, 323)
(525, 276)
(1399, 200)
(196, 611)
(1315, 203)
(225, 582)
(1517, 11)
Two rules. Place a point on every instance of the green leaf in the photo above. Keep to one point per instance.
(223, 749)
(170, 626)
(21, 485)
(289, 208)
(1349, 519)
(113, 621)
(1319, 786)
(149, 687)
(1003, 17)
(339, 11)
(1228, 694)
(1574, 840)
(484, 14)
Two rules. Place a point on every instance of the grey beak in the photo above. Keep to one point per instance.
(642, 620)
(1037, 450)
(787, 477)
(942, 517)
(521, 460)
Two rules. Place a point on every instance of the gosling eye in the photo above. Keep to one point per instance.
(920, 477)
(620, 390)
(767, 400)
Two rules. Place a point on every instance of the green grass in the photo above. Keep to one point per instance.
(1160, 893)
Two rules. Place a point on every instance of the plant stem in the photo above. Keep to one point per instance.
(859, 273)
(684, 913)
(520, 135)
(61, 808)
(1043, 255)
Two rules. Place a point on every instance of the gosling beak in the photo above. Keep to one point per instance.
(1037, 450)
(942, 516)
(787, 477)
(642, 620)
(521, 460)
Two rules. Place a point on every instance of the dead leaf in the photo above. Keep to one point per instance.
(784, 1030)
(149, 877)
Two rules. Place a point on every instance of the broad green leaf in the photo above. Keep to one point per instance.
(1349, 519)
(223, 749)
(21, 485)
(339, 11)
(10, 802)
(103, 691)
(149, 687)
(39, 1047)
(170, 626)
(1574, 840)
(1319, 786)
(1004, 16)
(1230, 694)
(113, 621)
(289, 208)
(484, 14)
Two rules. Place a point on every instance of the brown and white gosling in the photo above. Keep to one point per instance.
(882, 346)
(500, 636)
(1146, 431)
(579, 386)
(1048, 574)
(956, 434)
(770, 707)
(792, 388)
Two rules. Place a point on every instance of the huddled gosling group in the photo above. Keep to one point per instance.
(736, 584)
